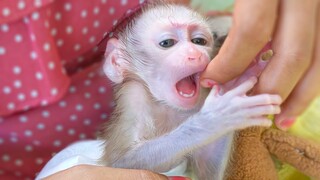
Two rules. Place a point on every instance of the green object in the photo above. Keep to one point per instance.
(308, 124)
(209, 5)
(289, 173)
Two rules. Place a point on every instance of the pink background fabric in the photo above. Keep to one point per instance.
(52, 89)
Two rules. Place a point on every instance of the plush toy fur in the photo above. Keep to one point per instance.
(252, 158)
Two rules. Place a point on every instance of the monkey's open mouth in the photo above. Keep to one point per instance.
(187, 87)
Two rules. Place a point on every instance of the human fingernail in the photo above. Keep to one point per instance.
(287, 123)
(208, 83)
(265, 56)
(178, 178)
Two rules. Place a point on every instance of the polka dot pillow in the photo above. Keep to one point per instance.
(43, 42)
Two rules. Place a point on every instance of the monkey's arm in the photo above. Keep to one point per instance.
(219, 115)
(166, 152)
(211, 161)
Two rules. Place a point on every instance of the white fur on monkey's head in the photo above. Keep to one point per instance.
(128, 17)
(121, 24)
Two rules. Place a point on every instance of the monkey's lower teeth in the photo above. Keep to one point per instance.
(187, 95)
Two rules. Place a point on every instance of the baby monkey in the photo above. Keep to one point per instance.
(162, 116)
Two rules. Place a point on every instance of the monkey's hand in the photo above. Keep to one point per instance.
(234, 110)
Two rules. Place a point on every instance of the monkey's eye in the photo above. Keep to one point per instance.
(167, 43)
(199, 41)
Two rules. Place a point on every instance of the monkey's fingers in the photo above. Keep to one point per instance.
(261, 110)
(243, 88)
(212, 97)
(253, 24)
(215, 91)
(259, 100)
(257, 121)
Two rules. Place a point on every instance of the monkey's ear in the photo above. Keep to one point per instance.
(114, 65)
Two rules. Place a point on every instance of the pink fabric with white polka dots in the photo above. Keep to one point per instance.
(52, 91)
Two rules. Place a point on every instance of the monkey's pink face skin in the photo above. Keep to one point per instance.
(179, 45)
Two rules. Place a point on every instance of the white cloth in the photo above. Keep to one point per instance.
(87, 152)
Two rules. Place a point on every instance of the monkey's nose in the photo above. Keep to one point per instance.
(193, 58)
(194, 54)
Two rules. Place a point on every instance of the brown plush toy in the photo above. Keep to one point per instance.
(252, 158)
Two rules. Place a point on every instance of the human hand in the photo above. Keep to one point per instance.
(293, 72)
(100, 172)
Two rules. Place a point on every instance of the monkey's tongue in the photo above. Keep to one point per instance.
(186, 87)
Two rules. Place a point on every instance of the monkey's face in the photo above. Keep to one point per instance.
(177, 44)
(167, 47)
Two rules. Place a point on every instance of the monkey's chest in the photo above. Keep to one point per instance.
(167, 122)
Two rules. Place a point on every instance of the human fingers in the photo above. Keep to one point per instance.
(293, 46)
(306, 90)
(253, 24)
